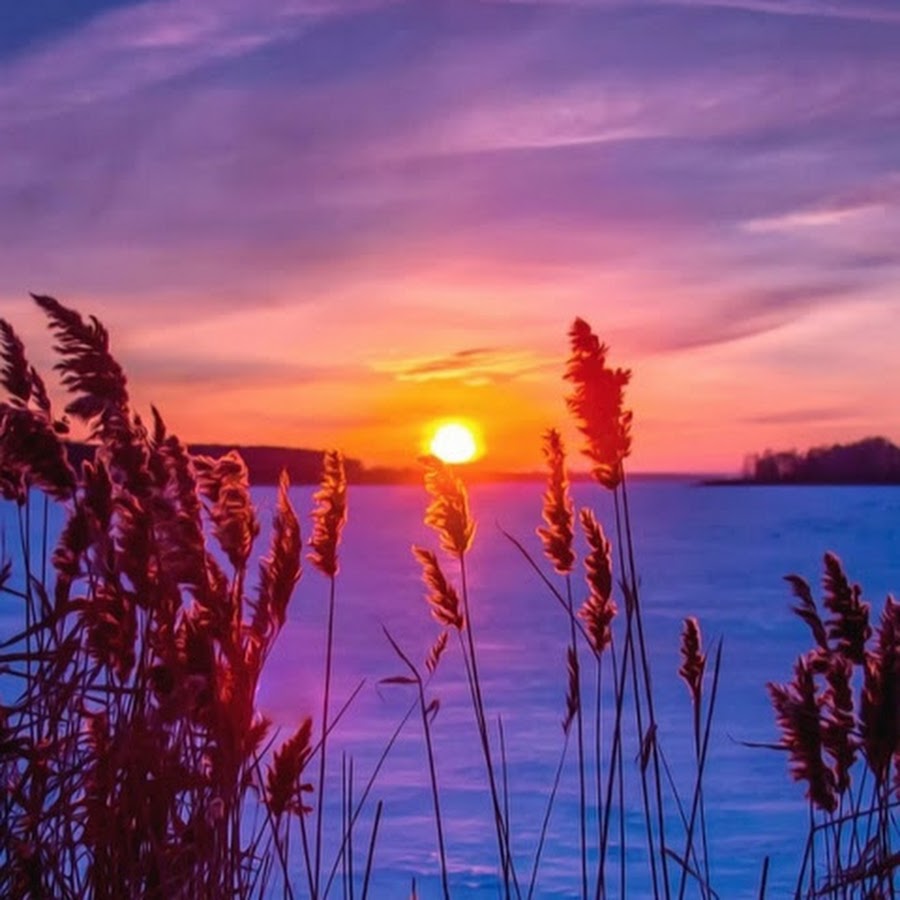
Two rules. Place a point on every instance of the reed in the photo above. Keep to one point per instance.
(131, 752)
(135, 760)
(692, 669)
(597, 404)
(329, 518)
(557, 537)
(448, 514)
(840, 728)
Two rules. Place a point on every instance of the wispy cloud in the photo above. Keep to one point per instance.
(812, 218)
(139, 46)
(747, 315)
(839, 9)
(475, 366)
(816, 415)
(883, 11)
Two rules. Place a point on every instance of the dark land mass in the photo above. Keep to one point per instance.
(304, 466)
(873, 460)
(265, 464)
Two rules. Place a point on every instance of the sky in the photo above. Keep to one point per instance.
(330, 223)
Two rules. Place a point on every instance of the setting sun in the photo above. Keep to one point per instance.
(454, 442)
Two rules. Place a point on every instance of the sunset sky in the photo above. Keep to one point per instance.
(331, 222)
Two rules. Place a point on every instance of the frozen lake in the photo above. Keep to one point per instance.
(713, 552)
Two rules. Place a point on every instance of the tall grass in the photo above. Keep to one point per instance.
(840, 727)
(134, 760)
(129, 753)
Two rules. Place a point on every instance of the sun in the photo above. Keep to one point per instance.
(454, 442)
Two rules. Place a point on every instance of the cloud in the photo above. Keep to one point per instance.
(817, 415)
(234, 371)
(748, 314)
(136, 47)
(475, 366)
(160, 146)
(883, 12)
(801, 220)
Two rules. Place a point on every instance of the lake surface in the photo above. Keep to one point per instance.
(713, 552)
(717, 553)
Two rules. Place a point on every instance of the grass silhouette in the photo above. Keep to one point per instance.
(135, 762)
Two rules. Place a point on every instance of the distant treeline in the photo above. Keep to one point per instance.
(265, 464)
(871, 461)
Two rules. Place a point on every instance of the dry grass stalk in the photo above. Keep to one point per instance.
(806, 609)
(91, 373)
(436, 652)
(597, 404)
(280, 571)
(16, 375)
(284, 790)
(178, 533)
(448, 512)
(557, 511)
(848, 628)
(178, 679)
(225, 483)
(442, 596)
(798, 714)
(839, 722)
(880, 706)
(330, 515)
(599, 610)
(693, 660)
(31, 452)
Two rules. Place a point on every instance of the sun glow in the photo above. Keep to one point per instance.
(454, 442)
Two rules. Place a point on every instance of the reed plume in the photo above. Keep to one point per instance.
(329, 517)
(557, 534)
(280, 571)
(839, 723)
(880, 706)
(442, 596)
(436, 652)
(225, 483)
(693, 660)
(848, 627)
(599, 610)
(806, 609)
(597, 404)
(143, 798)
(31, 452)
(284, 791)
(32, 456)
(798, 714)
(15, 372)
(330, 514)
(90, 372)
(448, 512)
